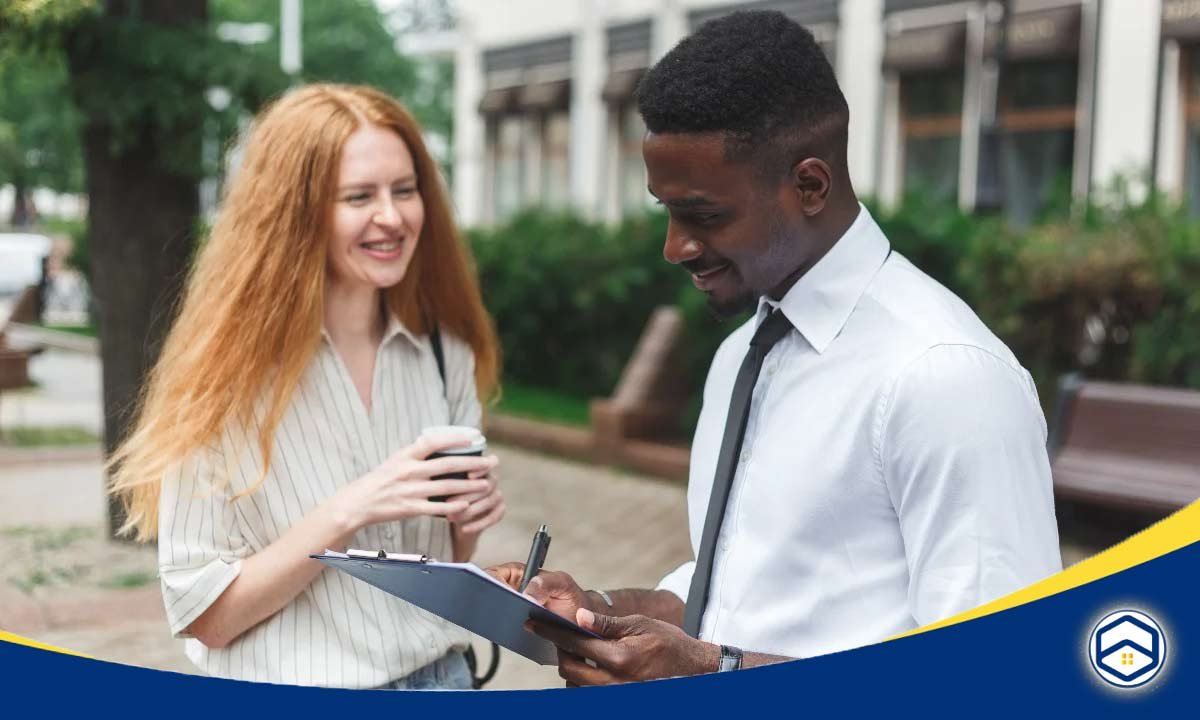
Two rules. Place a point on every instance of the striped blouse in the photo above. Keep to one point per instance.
(338, 632)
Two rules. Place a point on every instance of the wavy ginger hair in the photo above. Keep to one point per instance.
(252, 312)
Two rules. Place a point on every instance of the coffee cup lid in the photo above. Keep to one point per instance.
(475, 442)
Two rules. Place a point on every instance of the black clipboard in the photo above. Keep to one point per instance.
(464, 595)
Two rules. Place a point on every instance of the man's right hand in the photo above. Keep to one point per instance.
(556, 591)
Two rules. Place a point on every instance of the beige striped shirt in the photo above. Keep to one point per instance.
(338, 632)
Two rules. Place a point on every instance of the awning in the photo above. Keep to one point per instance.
(1181, 19)
(1040, 35)
(545, 96)
(620, 85)
(930, 48)
(498, 101)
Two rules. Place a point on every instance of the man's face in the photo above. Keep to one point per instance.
(736, 233)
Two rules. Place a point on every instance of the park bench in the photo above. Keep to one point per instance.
(1126, 446)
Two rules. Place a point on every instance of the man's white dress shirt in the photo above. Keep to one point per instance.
(894, 468)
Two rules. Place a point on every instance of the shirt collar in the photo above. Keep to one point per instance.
(820, 302)
(394, 327)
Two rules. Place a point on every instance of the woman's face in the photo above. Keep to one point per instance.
(378, 211)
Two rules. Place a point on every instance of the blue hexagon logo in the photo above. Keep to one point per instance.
(1127, 648)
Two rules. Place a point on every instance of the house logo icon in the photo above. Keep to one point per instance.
(1127, 648)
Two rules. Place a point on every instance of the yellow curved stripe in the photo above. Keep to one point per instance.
(1177, 531)
(18, 640)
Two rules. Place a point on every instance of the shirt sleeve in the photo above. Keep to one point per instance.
(962, 451)
(679, 580)
(460, 383)
(200, 548)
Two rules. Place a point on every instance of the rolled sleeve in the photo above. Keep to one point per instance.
(679, 580)
(200, 548)
(962, 452)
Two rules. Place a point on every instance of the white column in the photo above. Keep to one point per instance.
(469, 127)
(588, 67)
(973, 106)
(859, 54)
(891, 145)
(290, 56)
(1125, 84)
(1081, 168)
(1171, 145)
(668, 28)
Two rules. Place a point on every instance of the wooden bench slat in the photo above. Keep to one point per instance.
(1157, 485)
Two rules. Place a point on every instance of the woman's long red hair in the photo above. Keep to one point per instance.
(251, 316)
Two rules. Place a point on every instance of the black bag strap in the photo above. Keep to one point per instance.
(435, 339)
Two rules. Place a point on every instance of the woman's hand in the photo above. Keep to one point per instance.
(484, 509)
(401, 487)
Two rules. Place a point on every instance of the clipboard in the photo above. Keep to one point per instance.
(460, 593)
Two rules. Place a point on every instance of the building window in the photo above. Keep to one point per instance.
(1037, 116)
(631, 167)
(931, 128)
(555, 171)
(1191, 119)
(507, 175)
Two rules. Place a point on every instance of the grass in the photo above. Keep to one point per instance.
(546, 405)
(38, 546)
(46, 436)
(129, 580)
(84, 330)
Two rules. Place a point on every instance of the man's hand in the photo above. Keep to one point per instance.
(556, 591)
(633, 648)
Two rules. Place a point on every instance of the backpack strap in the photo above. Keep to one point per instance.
(435, 339)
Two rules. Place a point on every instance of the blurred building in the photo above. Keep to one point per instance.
(956, 98)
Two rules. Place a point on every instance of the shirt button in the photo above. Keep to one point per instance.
(771, 370)
(745, 456)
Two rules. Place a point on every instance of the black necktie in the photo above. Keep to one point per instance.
(769, 333)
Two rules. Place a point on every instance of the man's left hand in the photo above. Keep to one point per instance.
(632, 648)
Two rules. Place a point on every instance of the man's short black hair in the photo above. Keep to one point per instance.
(759, 78)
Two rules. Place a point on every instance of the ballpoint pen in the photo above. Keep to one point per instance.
(537, 556)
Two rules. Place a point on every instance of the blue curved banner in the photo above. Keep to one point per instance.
(1030, 660)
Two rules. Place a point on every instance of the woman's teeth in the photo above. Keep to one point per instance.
(382, 246)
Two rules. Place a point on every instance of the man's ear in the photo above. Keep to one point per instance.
(811, 180)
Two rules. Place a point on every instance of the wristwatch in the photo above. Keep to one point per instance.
(731, 659)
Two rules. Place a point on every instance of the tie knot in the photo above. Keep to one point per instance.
(772, 329)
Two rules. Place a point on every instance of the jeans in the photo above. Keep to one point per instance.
(449, 672)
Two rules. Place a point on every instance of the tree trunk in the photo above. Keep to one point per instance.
(22, 217)
(141, 224)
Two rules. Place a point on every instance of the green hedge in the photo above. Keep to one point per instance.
(1114, 293)
(1111, 292)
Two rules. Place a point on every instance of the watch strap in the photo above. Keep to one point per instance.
(731, 659)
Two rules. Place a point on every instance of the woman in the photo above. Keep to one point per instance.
(284, 414)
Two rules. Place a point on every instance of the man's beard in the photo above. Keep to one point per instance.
(724, 310)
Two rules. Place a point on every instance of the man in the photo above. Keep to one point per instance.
(869, 457)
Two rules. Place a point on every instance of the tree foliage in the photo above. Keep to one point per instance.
(150, 78)
(39, 126)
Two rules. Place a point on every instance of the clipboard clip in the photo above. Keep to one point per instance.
(384, 555)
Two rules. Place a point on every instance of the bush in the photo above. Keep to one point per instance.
(570, 297)
(1112, 292)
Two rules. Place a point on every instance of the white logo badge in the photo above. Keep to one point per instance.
(1127, 648)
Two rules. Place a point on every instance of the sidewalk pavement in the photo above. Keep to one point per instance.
(67, 393)
(63, 583)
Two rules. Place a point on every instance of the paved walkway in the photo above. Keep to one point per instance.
(62, 583)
